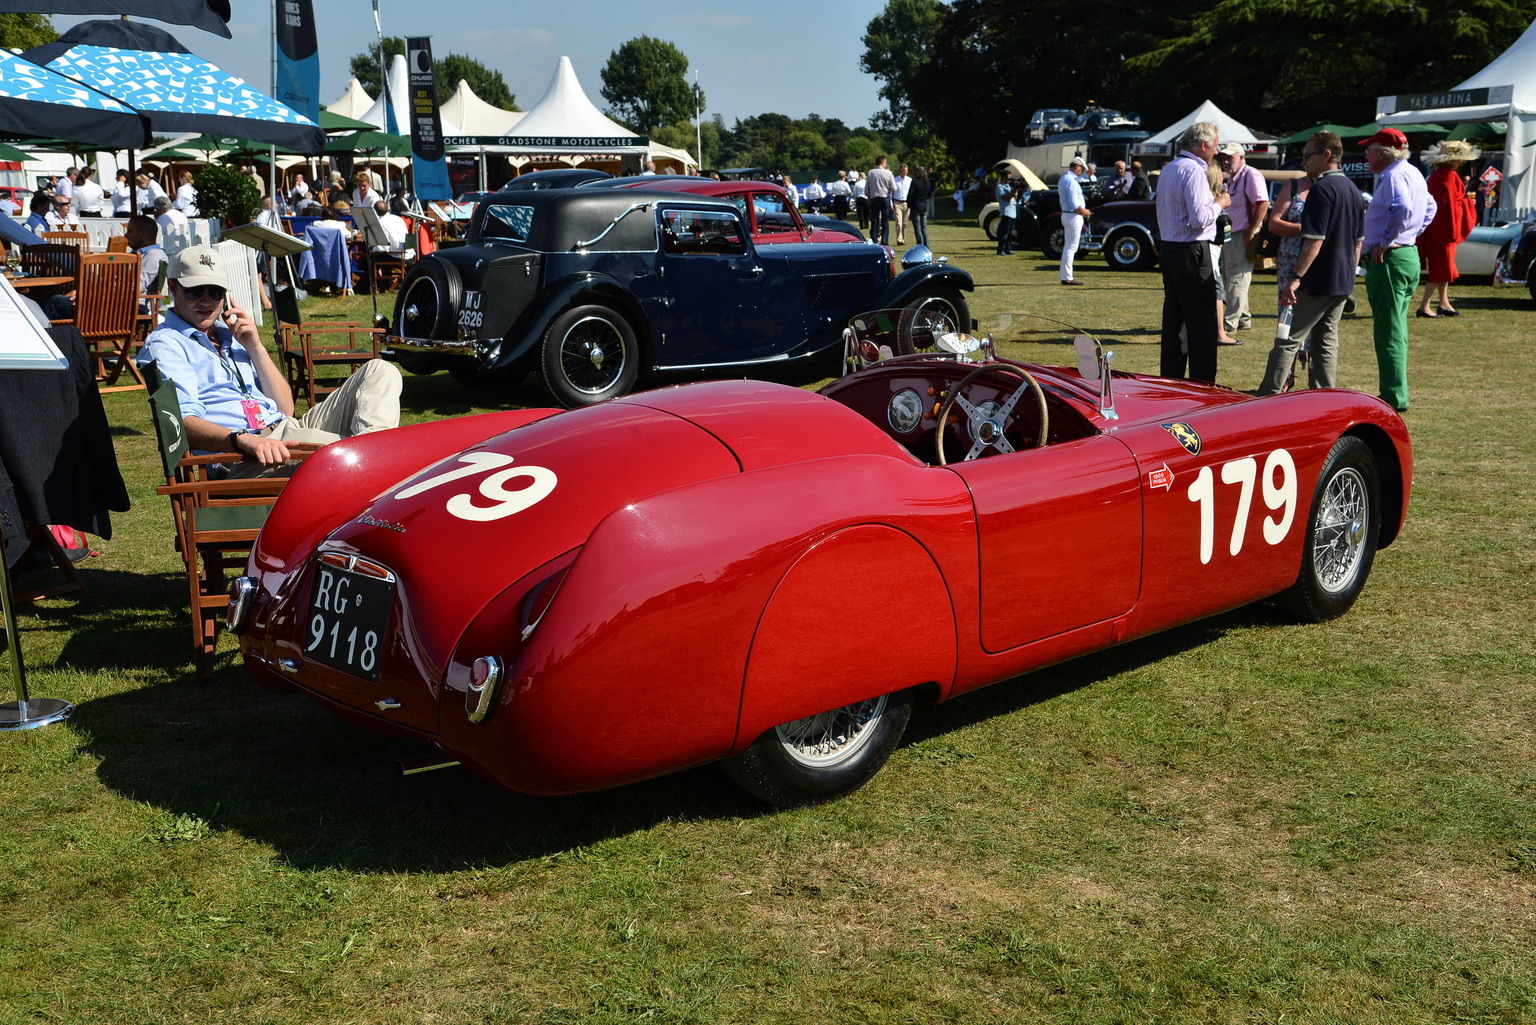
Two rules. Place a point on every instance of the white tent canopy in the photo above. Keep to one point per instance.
(665, 155)
(563, 126)
(399, 99)
(1503, 91)
(354, 102)
(1232, 130)
(476, 117)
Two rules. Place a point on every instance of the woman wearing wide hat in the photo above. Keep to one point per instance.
(1455, 215)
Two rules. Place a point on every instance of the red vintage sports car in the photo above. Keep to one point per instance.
(659, 579)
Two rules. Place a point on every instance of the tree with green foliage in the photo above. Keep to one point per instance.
(226, 194)
(487, 84)
(898, 41)
(24, 31)
(646, 84)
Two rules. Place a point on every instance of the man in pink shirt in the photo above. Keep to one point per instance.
(1250, 207)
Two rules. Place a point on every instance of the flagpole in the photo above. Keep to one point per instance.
(272, 147)
(389, 107)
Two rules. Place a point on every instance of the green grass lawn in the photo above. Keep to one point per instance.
(1242, 820)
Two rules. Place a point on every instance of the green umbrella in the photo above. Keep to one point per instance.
(173, 154)
(1366, 131)
(12, 153)
(1478, 131)
(330, 122)
(1307, 133)
(371, 142)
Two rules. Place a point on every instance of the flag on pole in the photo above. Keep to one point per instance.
(298, 58)
(428, 157)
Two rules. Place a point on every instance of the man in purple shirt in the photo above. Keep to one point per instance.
(1400, 209)
(1186, 222)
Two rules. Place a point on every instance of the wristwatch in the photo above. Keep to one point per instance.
(233, 447)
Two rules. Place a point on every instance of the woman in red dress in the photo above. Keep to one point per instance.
(1455, 214)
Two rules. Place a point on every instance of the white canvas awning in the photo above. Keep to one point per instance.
(1231, 129)
(354, 102)
(1505, 90)
(474, 116)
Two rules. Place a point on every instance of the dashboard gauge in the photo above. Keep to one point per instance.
(905, 411)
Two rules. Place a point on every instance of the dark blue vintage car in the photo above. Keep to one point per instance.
(590, 288)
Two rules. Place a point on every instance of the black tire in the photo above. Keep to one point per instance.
(948, 301)
(589, 354)
(1343, 526)
(429, 300)
(791, 765)
(1055, 240)
(1530, 280)
(990, 227)
(1128, 250)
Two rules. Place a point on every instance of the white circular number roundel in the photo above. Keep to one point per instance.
(541, 482)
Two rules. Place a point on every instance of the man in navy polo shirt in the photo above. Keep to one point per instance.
(1332, 226)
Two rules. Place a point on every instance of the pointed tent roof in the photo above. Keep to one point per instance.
(565, 112)
(476, 117)
(1515, 69)
(354, 102)
(399, 99)
(1232, 130)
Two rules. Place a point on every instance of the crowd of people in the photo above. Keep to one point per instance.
(881, 199)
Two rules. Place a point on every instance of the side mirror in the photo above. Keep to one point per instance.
(1093, 364)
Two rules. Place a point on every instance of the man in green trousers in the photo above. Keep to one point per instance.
(1400, 209)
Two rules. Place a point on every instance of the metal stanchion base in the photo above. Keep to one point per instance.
(32, 713)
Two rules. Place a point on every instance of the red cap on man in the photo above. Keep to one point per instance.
(1389, 137)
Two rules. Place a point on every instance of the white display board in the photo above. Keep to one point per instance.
(24, 345)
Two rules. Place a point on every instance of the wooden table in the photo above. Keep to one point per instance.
(27, 284)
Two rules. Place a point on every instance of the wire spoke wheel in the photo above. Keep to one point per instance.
(592, 355)
(1338, 542)
(831, 737)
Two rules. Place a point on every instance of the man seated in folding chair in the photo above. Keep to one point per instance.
(234, 398)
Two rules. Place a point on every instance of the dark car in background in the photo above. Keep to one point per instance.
(1125, 231)
(591, 287)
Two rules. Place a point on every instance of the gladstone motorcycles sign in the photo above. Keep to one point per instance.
(549, 141)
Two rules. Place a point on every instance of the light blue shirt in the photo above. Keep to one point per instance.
(1071, 192)
(1186, 210)
(209, 384)
(1007, 206)
(1401, 207)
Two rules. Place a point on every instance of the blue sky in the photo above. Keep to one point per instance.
(794, 57)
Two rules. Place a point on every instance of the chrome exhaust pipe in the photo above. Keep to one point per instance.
(425, 763)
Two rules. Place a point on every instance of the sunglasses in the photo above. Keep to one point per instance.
(196, 293)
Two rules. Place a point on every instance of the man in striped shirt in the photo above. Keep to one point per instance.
(1186, 222)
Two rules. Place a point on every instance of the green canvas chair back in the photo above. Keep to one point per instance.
(165, 408)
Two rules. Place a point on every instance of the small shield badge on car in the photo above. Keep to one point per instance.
(1185, 435)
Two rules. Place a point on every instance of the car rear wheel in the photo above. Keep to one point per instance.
(825, 756)
(429, 300)
(1126, 250)
(1055, 240)
(946, 301)
(1342, 530)
(589, 354)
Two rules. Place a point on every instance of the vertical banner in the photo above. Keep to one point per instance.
(298, 58)
(428, 159)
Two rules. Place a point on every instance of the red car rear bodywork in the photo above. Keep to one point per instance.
(667, 576)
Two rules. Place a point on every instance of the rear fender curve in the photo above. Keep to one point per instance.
(637, 667)
(909, 283)
(526, 332)
(823, 643)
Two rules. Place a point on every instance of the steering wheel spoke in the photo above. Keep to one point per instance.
(987, 429)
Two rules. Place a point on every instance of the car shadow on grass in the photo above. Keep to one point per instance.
(324, 794)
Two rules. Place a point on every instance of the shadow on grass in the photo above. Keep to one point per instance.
(281, 770)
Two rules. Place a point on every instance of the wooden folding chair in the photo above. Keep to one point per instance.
(150, 303)
(40, 540)
(107, 313)
(52, 260)
(318, 357)
(81, 240)
(216, 521)
(117, 244)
